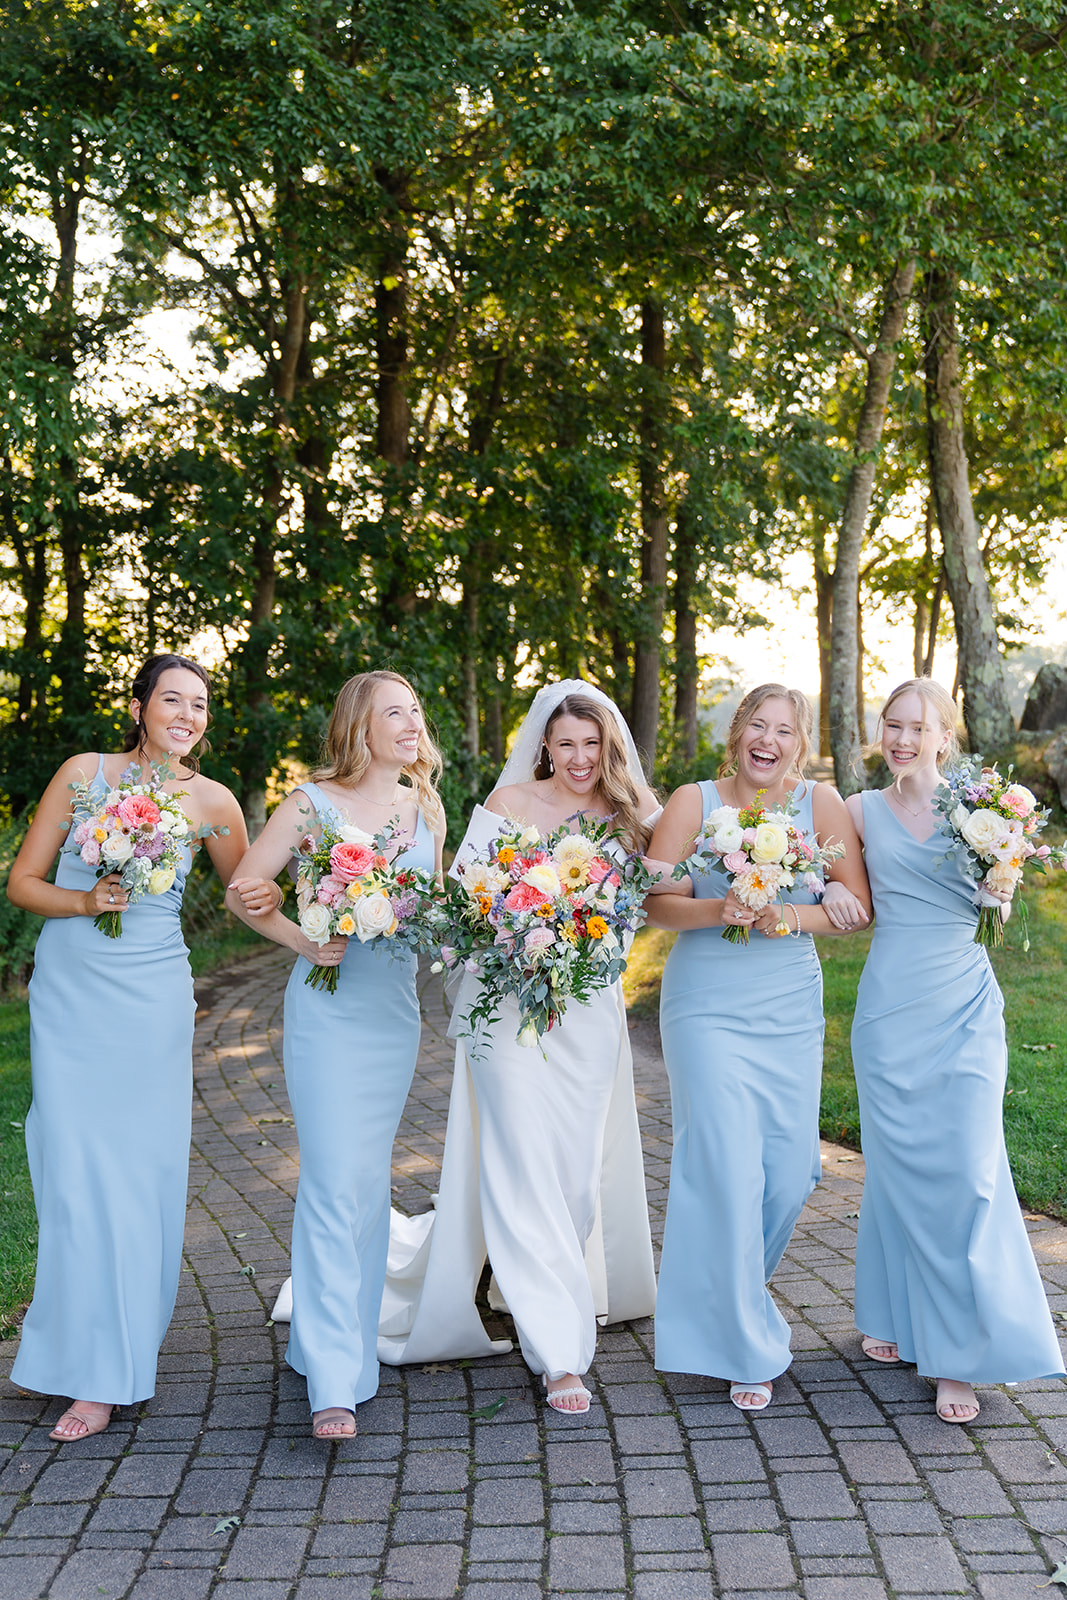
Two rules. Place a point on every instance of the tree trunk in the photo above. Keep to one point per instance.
(824, 611)
(845, 720)
(649, 643)
(686, 663)
(985, 703)
(393, 409)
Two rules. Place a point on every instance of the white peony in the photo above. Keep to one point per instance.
(117, 848)
(984, 829)
(315, 923)
(374, 915)
(731, 836)
(353, 835)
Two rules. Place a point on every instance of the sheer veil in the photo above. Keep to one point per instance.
(519, 767)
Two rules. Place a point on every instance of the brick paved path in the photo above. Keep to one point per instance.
(846, 1489)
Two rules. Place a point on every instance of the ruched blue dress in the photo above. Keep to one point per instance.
(742, 1031)
(107, 1136)
(349, 1061)
(944, 1268)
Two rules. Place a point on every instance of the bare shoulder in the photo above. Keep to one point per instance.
(511, 800)
(215, 802)
(648, 801)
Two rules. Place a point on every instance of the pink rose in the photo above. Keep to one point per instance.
(350, 861)
(524, 897)
(538, 939)
(138, 811)
(736, 861)
(597, 870)
(330, 890)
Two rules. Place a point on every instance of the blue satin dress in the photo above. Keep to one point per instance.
(742, 1031)
(349, 1061)
(107, 1136)
(944, 1268)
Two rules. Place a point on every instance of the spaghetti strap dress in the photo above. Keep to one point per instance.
(944, 1268)
(349, 1061)
(107, 1136)
(742, 1031)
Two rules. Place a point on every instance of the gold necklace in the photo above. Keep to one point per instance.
(896, 796)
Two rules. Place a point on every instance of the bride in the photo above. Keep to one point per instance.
(559, 1204)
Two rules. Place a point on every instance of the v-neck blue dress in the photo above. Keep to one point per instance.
(742, 1030)
(349, 1061)
(944, 1267)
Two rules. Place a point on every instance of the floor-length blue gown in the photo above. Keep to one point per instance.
(944, 1268)
(349, 1061)
(742, 1031)
(107, 1136)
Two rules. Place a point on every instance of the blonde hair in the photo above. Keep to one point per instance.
(935, 699)
(346, 756)
(614, 783)
(803, 716)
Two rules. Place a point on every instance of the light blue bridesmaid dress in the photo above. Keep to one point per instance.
(107, 1135)
(944, 1268)
(742, 1031)
(349, 1061)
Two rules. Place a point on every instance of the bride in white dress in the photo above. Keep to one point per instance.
(542, 1166)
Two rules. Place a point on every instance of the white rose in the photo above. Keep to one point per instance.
(161, 880)
(527, 1035)
(352, 835)
(771, 843)
(959, 818)
(729, 837)
(543, 876)
(983, 830)
(528, 837)
(315, 923)
(721, 817)
(373, 915)
(117, 848)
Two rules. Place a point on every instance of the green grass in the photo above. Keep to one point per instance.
(1034, 985)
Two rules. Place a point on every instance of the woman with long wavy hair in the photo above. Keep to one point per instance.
(349, 1055)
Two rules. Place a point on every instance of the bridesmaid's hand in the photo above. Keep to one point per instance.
(259, 896)
(734, 914)
(106, 894)
(842, 907)
(322, 955)
(769, 921)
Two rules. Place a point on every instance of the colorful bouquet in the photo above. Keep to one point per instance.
(347, 884)
(762, 852)
(137, 830)
(543, 920)
(993, 823)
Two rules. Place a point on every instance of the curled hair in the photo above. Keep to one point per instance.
(936, 699)
(803, 716)
(346, 755)
(142, 690)
(615, 785)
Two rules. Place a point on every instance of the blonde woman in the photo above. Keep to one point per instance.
(742, 1030)
(349, 1056)
(945, 1276)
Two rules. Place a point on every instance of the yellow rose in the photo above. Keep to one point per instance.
(771, 843)
(354, 890)
(160, 880)
(346, 923)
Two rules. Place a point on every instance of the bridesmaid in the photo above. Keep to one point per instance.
(742, 1032)
(111, 1028)
(945, 1276)
(349, 1056)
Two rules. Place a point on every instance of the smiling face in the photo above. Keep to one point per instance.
(395, 724)
(768, 744)
(173, 719)
(912, 735)
(574, 744)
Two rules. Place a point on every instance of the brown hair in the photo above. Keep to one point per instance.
(935, 699)
(614, 783)
(345, 753)
(802, 715)
(144, 687)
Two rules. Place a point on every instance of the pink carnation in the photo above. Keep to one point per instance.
(350, 861)
(538, 939)
(736, 861)
(525, 897)
(330, 890)
(83, 831)
(90, 853)
(138, 811)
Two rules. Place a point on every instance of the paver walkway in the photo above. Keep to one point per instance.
(846, 1489)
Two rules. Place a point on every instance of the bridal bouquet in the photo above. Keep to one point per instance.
(136, 830)
(543, 920)
(762, 852)
(347, 884)
(993, 823)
